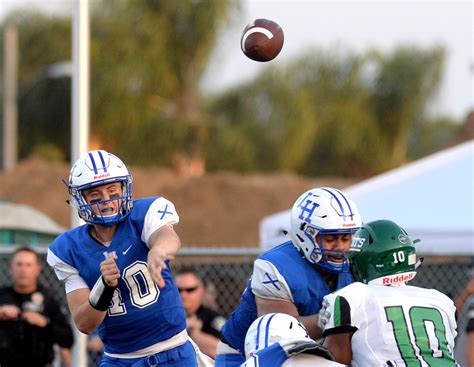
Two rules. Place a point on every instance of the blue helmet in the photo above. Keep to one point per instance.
(97, 168)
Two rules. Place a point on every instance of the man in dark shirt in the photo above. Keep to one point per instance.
(31, 320)
(203, 324)
(470, 331)
(464, 349)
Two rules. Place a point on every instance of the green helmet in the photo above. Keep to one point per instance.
(382, 252)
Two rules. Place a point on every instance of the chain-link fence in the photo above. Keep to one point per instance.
(229, 269)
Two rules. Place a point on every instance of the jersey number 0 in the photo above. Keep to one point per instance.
(143, 290)
(429, 332)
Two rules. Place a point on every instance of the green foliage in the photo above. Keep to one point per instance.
(44, 117)
(335, 113)
(49, 152)
(324, 113)
(148, 57)
(405, 82)
(312, 117)
(428, 135)
(44, 103)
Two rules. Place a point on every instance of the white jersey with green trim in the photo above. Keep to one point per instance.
(396, 325)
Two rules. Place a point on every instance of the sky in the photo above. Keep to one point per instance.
(359, 26)
(350, 25)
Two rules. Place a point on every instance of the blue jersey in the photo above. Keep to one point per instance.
(280, 273)
(140, 313)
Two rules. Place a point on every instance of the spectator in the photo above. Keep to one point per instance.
(203, 324)
(116, 267)
(31, 320)
(209, 299)
(464, 349)
(469, 329)
(380, 320)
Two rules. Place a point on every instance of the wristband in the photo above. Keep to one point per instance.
(101, 295)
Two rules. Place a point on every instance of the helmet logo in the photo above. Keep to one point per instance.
(399, 278)
(350, 225)
(308, 208)
(357, 242)
(103, 175)
(402, 238)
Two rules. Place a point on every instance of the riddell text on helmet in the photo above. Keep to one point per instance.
(397, 279)
(103, 175)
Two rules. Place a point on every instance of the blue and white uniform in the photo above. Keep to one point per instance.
(142, 319)
(280, 355)
(282, 273)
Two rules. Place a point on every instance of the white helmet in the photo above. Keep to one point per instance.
(323, 210)
(97, 168)
(272, 328)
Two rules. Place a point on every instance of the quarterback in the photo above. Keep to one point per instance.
(116, 267)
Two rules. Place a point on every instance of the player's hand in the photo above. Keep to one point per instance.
(110, 271)
(9, 312)
(156, 263)
(324, 314)
(34, 318)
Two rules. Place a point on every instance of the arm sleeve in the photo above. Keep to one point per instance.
(160, 213)
(66, 273)
(267, 282)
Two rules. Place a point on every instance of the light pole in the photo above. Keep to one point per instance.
(11, 94)
(10, 109)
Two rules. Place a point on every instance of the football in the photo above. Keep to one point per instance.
(262, 40)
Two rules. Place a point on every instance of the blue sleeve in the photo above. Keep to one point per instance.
(272, 356)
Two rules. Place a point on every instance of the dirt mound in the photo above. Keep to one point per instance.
(216, 210)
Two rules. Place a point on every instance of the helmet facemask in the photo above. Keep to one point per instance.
(332, 260)
(91, 212)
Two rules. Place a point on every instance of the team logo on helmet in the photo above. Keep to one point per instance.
(402, 238)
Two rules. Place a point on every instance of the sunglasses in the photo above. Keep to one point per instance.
(188, 290)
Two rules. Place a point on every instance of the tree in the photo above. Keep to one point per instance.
(146, 60)
(44, 102)
(332, 112)
(148, 57)
(310, 116)
(405, 81)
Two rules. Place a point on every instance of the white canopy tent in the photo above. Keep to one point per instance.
(26, 218)
(432, 198)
